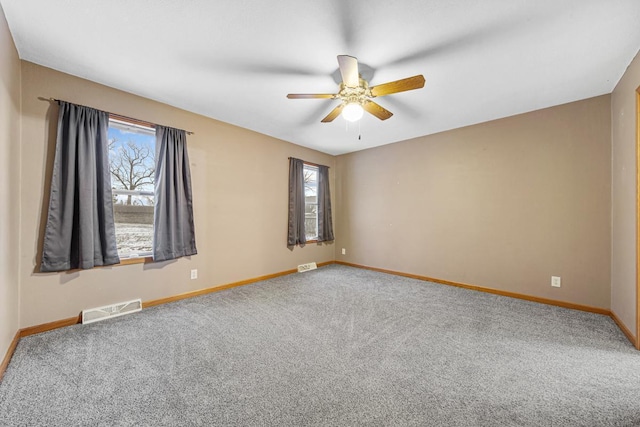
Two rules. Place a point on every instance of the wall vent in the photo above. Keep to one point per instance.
(108, 311)
(306, 267)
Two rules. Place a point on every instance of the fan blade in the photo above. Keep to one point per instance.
(410, 83)
(377, 110)
(311, 95)
(349, 70)
(333, 114)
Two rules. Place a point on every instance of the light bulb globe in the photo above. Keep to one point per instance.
(352, 112)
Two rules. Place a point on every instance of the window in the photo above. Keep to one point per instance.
(89, 231)
(311, 202)
(132, 164)
(309, 208)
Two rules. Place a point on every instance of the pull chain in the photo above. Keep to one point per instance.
(346, 129)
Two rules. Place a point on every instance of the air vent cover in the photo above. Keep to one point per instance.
(108, 311)
(307, 267)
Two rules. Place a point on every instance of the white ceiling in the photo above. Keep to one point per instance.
(235, 60)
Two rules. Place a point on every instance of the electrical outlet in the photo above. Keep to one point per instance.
(344, 251)
(556, 281)
(194, 273)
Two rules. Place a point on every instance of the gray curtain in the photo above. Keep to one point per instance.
(325, 224)
(296, 234)
(80, 231)
(174, 231)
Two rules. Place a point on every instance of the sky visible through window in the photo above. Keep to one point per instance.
(123, 135)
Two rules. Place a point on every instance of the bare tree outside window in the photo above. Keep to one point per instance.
(309, 180)
(132, 166)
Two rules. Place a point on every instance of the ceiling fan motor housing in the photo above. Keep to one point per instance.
(355, 95)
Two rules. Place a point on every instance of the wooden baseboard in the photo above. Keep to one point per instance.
(488, 290)
(37, 329)
(624, 329)
(192, 294)
(151, 303)
(10, 351)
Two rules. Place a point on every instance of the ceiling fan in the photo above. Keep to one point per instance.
(356, 95)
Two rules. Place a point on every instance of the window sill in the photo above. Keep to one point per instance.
(124, 261)
(139, 260)
(317, 242)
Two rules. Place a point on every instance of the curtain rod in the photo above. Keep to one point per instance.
(126, 118)
(308, 163)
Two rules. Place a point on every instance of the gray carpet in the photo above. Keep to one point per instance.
(335, 346)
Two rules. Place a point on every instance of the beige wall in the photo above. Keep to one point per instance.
(623, 196)
(240, 204)
(9, 186)
(504, 204)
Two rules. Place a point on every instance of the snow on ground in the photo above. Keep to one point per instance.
(134, 238)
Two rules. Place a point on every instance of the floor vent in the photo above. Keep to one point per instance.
(306, 267)
(108, 311)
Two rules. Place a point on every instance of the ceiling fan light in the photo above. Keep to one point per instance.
(352, 112)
